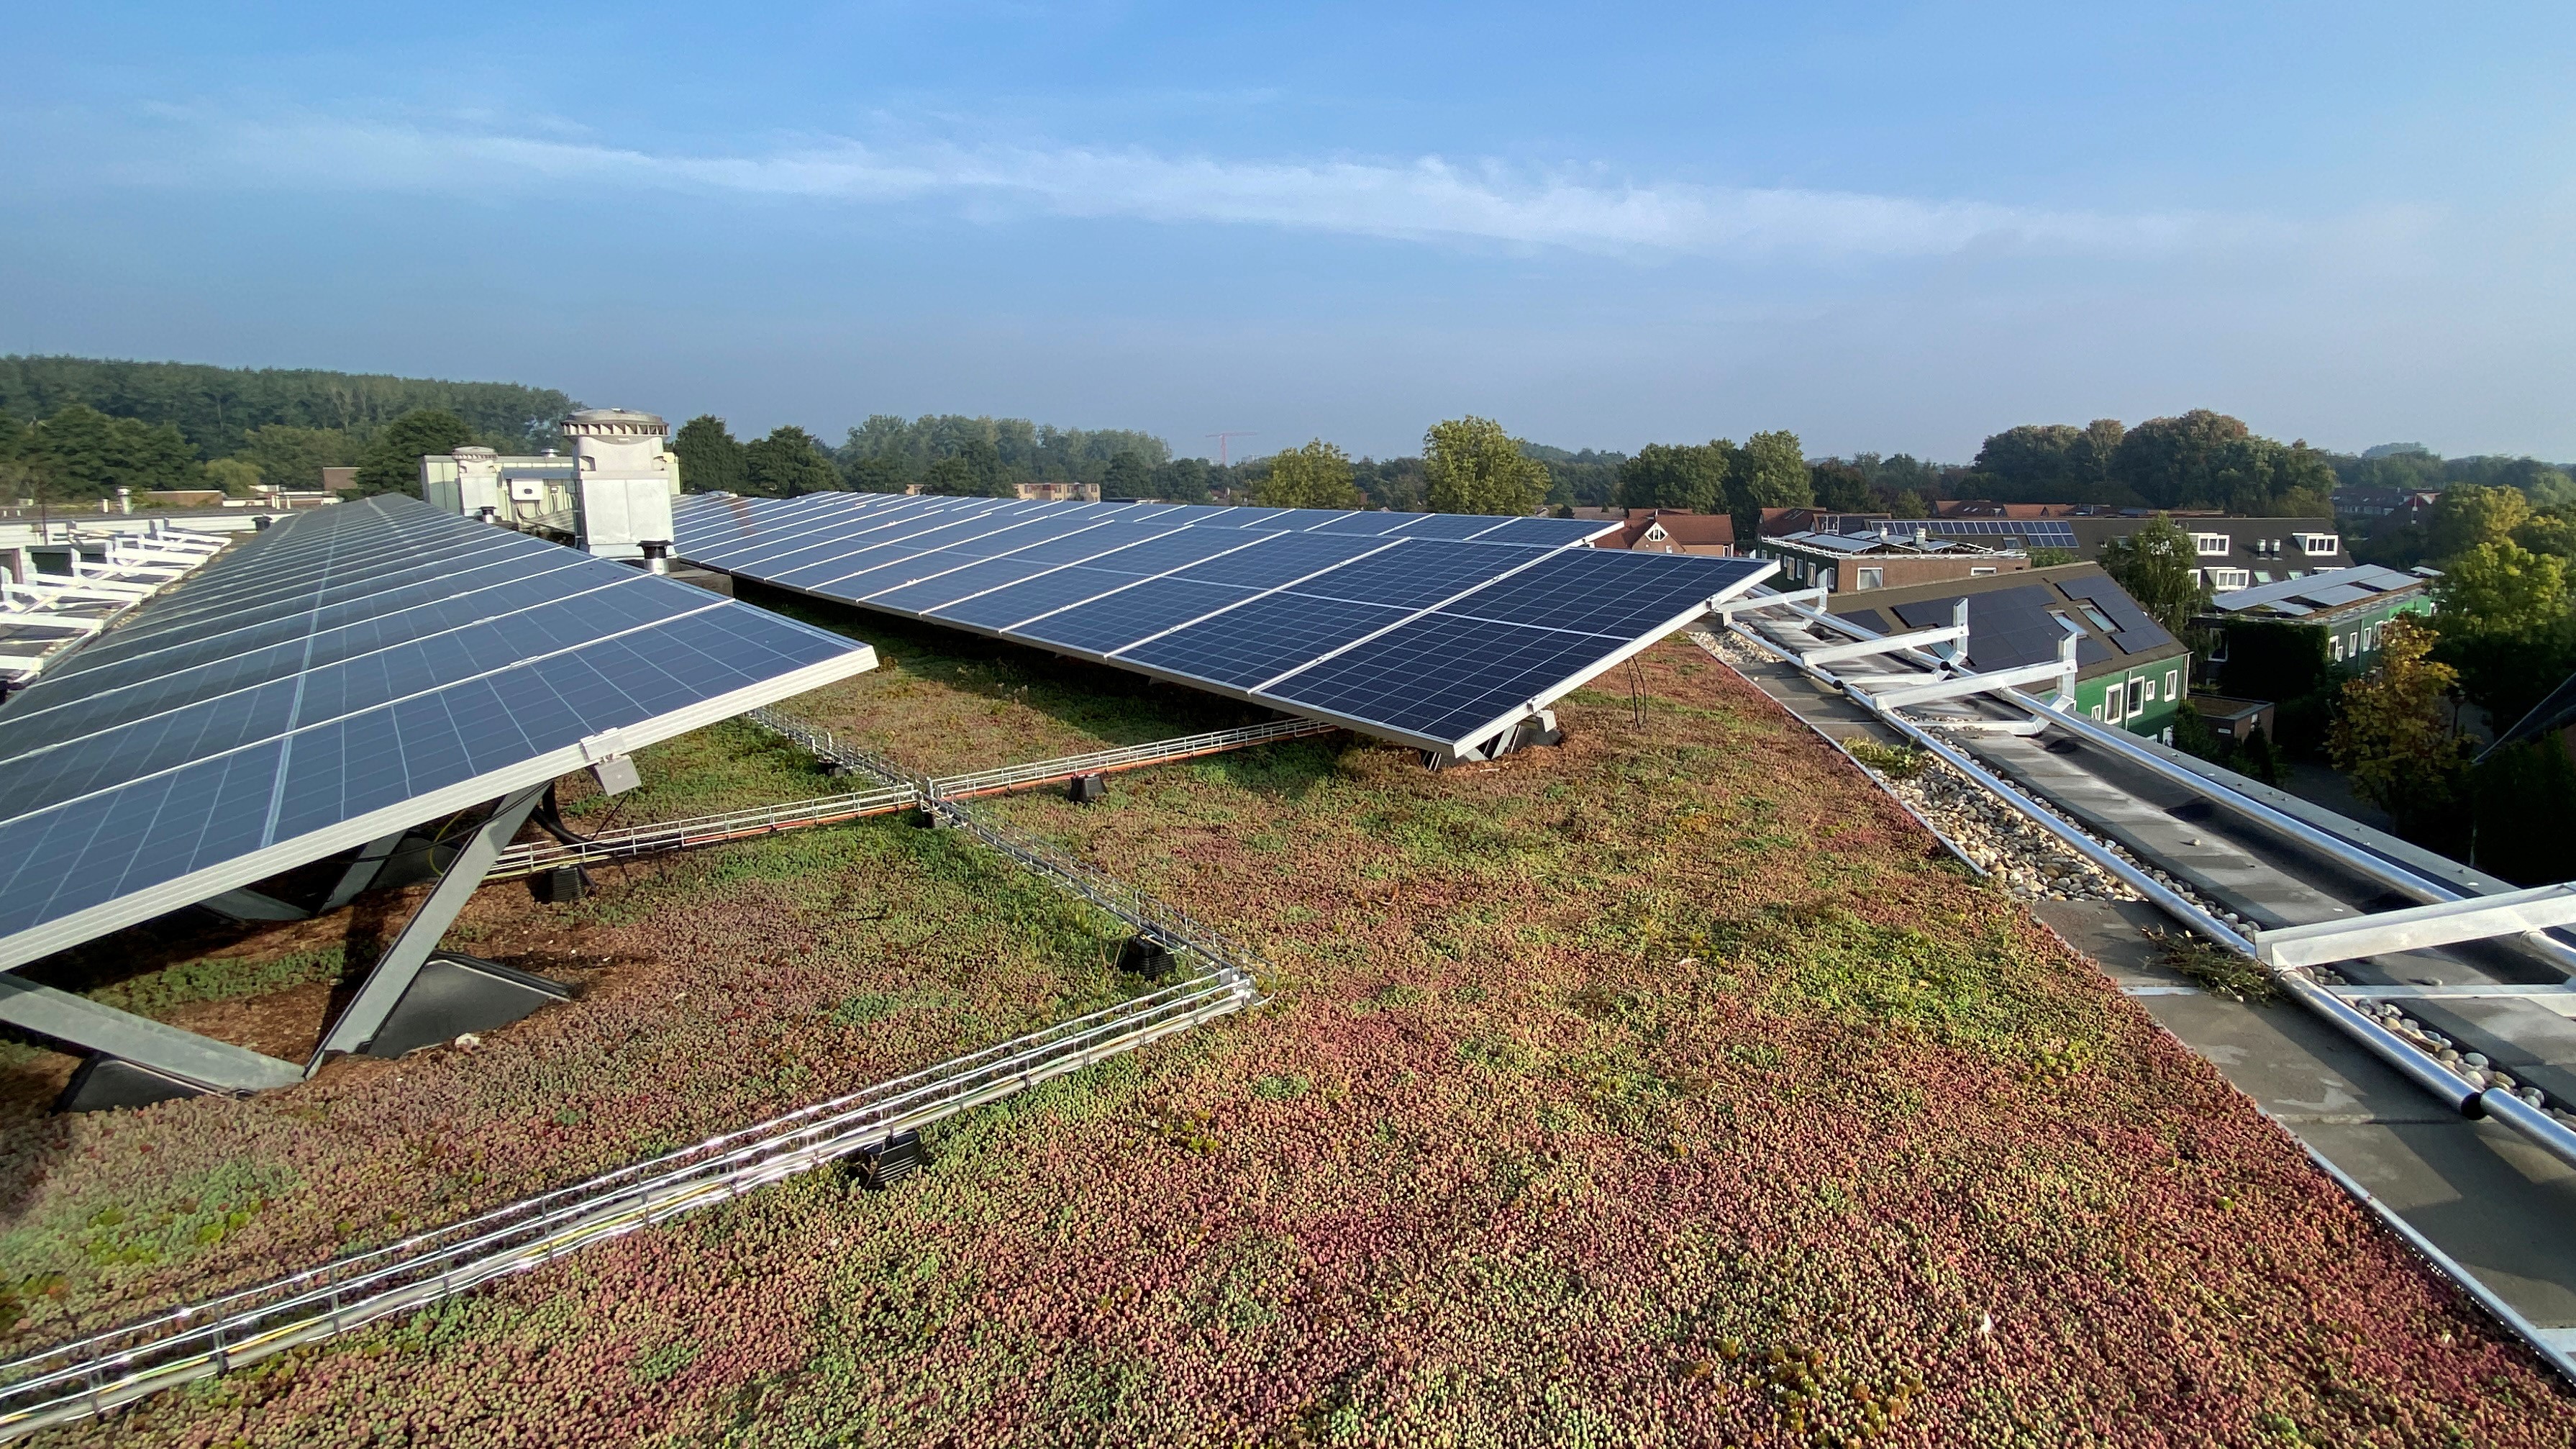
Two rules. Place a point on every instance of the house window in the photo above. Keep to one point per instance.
(2173, 684)
(2151, 691)
(2217, 646)
(2226, 579)
(2096, 712)
(2111, 704)
(2334, 648)
(2137, 696)
(1873, 578)
(2213, 543)
(1978, 573)
(2317, 545)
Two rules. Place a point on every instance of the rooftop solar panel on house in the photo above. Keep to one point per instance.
(2137, 629)
(355, 670)
(1439, 630)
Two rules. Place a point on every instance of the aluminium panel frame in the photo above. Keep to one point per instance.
(89, 923)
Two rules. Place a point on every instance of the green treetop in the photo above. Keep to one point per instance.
(786, 463)
(2160, 568)
(1670, 475)
(711, 461)
(1317, 475)
(392, 464)
(1473, 466)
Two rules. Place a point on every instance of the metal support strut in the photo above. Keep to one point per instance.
(393, 976)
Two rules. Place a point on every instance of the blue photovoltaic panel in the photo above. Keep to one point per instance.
(1263, 639)
(1625, 595)
(1416, 575)
(1251, 600)
(1281, 558)
(1132, 614)
(229, 721)
(1043, 594)
(2137, 629)
(1443, 676)
(958, 584)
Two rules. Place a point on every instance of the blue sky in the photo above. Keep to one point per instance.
(1889, 227)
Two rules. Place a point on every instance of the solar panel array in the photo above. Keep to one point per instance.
(367, 666)
(1435, 629)
(2136, 629)
(2008, 628)
(2040, 533)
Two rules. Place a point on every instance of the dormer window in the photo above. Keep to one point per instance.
(2316, 545)
(2212, 543)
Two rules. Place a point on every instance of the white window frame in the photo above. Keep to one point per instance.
(2227, 581)
(2334, 647)
(2114, 698)
(2208, 544)
(1975, 572)
(1871, 578)
(2173, 684)
(2137, 700)
(2319, 545)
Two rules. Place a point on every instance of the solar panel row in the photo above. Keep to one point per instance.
(358, 669)
(1437, 629)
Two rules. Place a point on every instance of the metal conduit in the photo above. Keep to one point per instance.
(160, 1353)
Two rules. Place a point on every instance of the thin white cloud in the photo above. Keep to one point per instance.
(1428, 199)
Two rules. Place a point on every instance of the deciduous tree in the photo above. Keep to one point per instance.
(2468, 515)
(711, 459)
(238, 477)
(392, 462)
(1317, 475)
(1770, 471)
(2160, 568)
(1677, 475)
(2392, 735)
(1473, 466)
(784, 464)
(1130, 475)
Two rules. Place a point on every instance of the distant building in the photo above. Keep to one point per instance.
(1889, 556)
(339, 480)
(1059, 492)
(1672, 530)
(2369, 505)
(2233, 553)
(2128, 670)
(2280, 640)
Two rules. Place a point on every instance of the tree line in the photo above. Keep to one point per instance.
(75, 429)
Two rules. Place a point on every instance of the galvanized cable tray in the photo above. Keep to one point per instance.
(702, 830)
(85, 1377)
(88, 1376)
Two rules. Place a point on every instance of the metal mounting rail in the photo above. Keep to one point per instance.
(1131, 757)
(1157, 920)
(544, 855)
(83, 1378)
(703, 830)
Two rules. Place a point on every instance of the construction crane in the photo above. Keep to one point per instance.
(1221, 439)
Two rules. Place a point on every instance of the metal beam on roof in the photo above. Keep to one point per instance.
(410, 950)
(80, 1022)
(2447, 923)
(1863, 648)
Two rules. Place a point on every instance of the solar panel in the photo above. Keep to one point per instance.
(2136, 629)
(1439, 630)
(356, 670)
